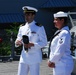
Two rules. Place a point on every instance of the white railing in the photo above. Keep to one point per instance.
(73, 21)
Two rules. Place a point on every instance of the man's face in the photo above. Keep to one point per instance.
(29, 17)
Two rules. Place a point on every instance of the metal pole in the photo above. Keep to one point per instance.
(12, 47)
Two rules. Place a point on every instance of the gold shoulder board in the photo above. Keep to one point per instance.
(22, 25)
(38, 24)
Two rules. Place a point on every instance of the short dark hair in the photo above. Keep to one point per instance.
(65, 19)
(33, 13)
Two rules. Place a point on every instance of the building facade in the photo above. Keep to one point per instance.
(11, 11)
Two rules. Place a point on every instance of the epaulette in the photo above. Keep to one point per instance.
(38, 24)
(22, 25)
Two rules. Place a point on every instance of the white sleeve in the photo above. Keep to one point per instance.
(43, 38)
(19, 36)
(62, 45)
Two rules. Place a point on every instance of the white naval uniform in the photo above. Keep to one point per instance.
(60, 53)
(37, 36)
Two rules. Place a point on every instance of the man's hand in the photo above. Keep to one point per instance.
(51, 64)
(29, 45)
(18, 42)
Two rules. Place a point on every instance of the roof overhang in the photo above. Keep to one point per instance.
(11, 17)
(58, 3)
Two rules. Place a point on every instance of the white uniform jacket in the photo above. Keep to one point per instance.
(60, 52)
(37, 36)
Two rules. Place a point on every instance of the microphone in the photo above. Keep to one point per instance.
(25, 41)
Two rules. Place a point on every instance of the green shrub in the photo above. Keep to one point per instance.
(5, 48)
(6, 44)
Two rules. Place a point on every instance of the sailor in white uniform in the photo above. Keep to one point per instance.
(30, 60)
(60, 58)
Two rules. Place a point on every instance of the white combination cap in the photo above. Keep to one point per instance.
(60, 14)
(29, 9)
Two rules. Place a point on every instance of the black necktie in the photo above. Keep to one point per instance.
(56, 33)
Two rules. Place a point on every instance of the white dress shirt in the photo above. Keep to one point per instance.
(60, 52)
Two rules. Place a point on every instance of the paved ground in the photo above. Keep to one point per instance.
(10, 68)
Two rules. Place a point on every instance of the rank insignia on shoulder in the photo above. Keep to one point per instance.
(61, 40)
(38, 24)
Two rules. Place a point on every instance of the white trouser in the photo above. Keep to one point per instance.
(61, 73)
(63, 69)
(23, 69)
